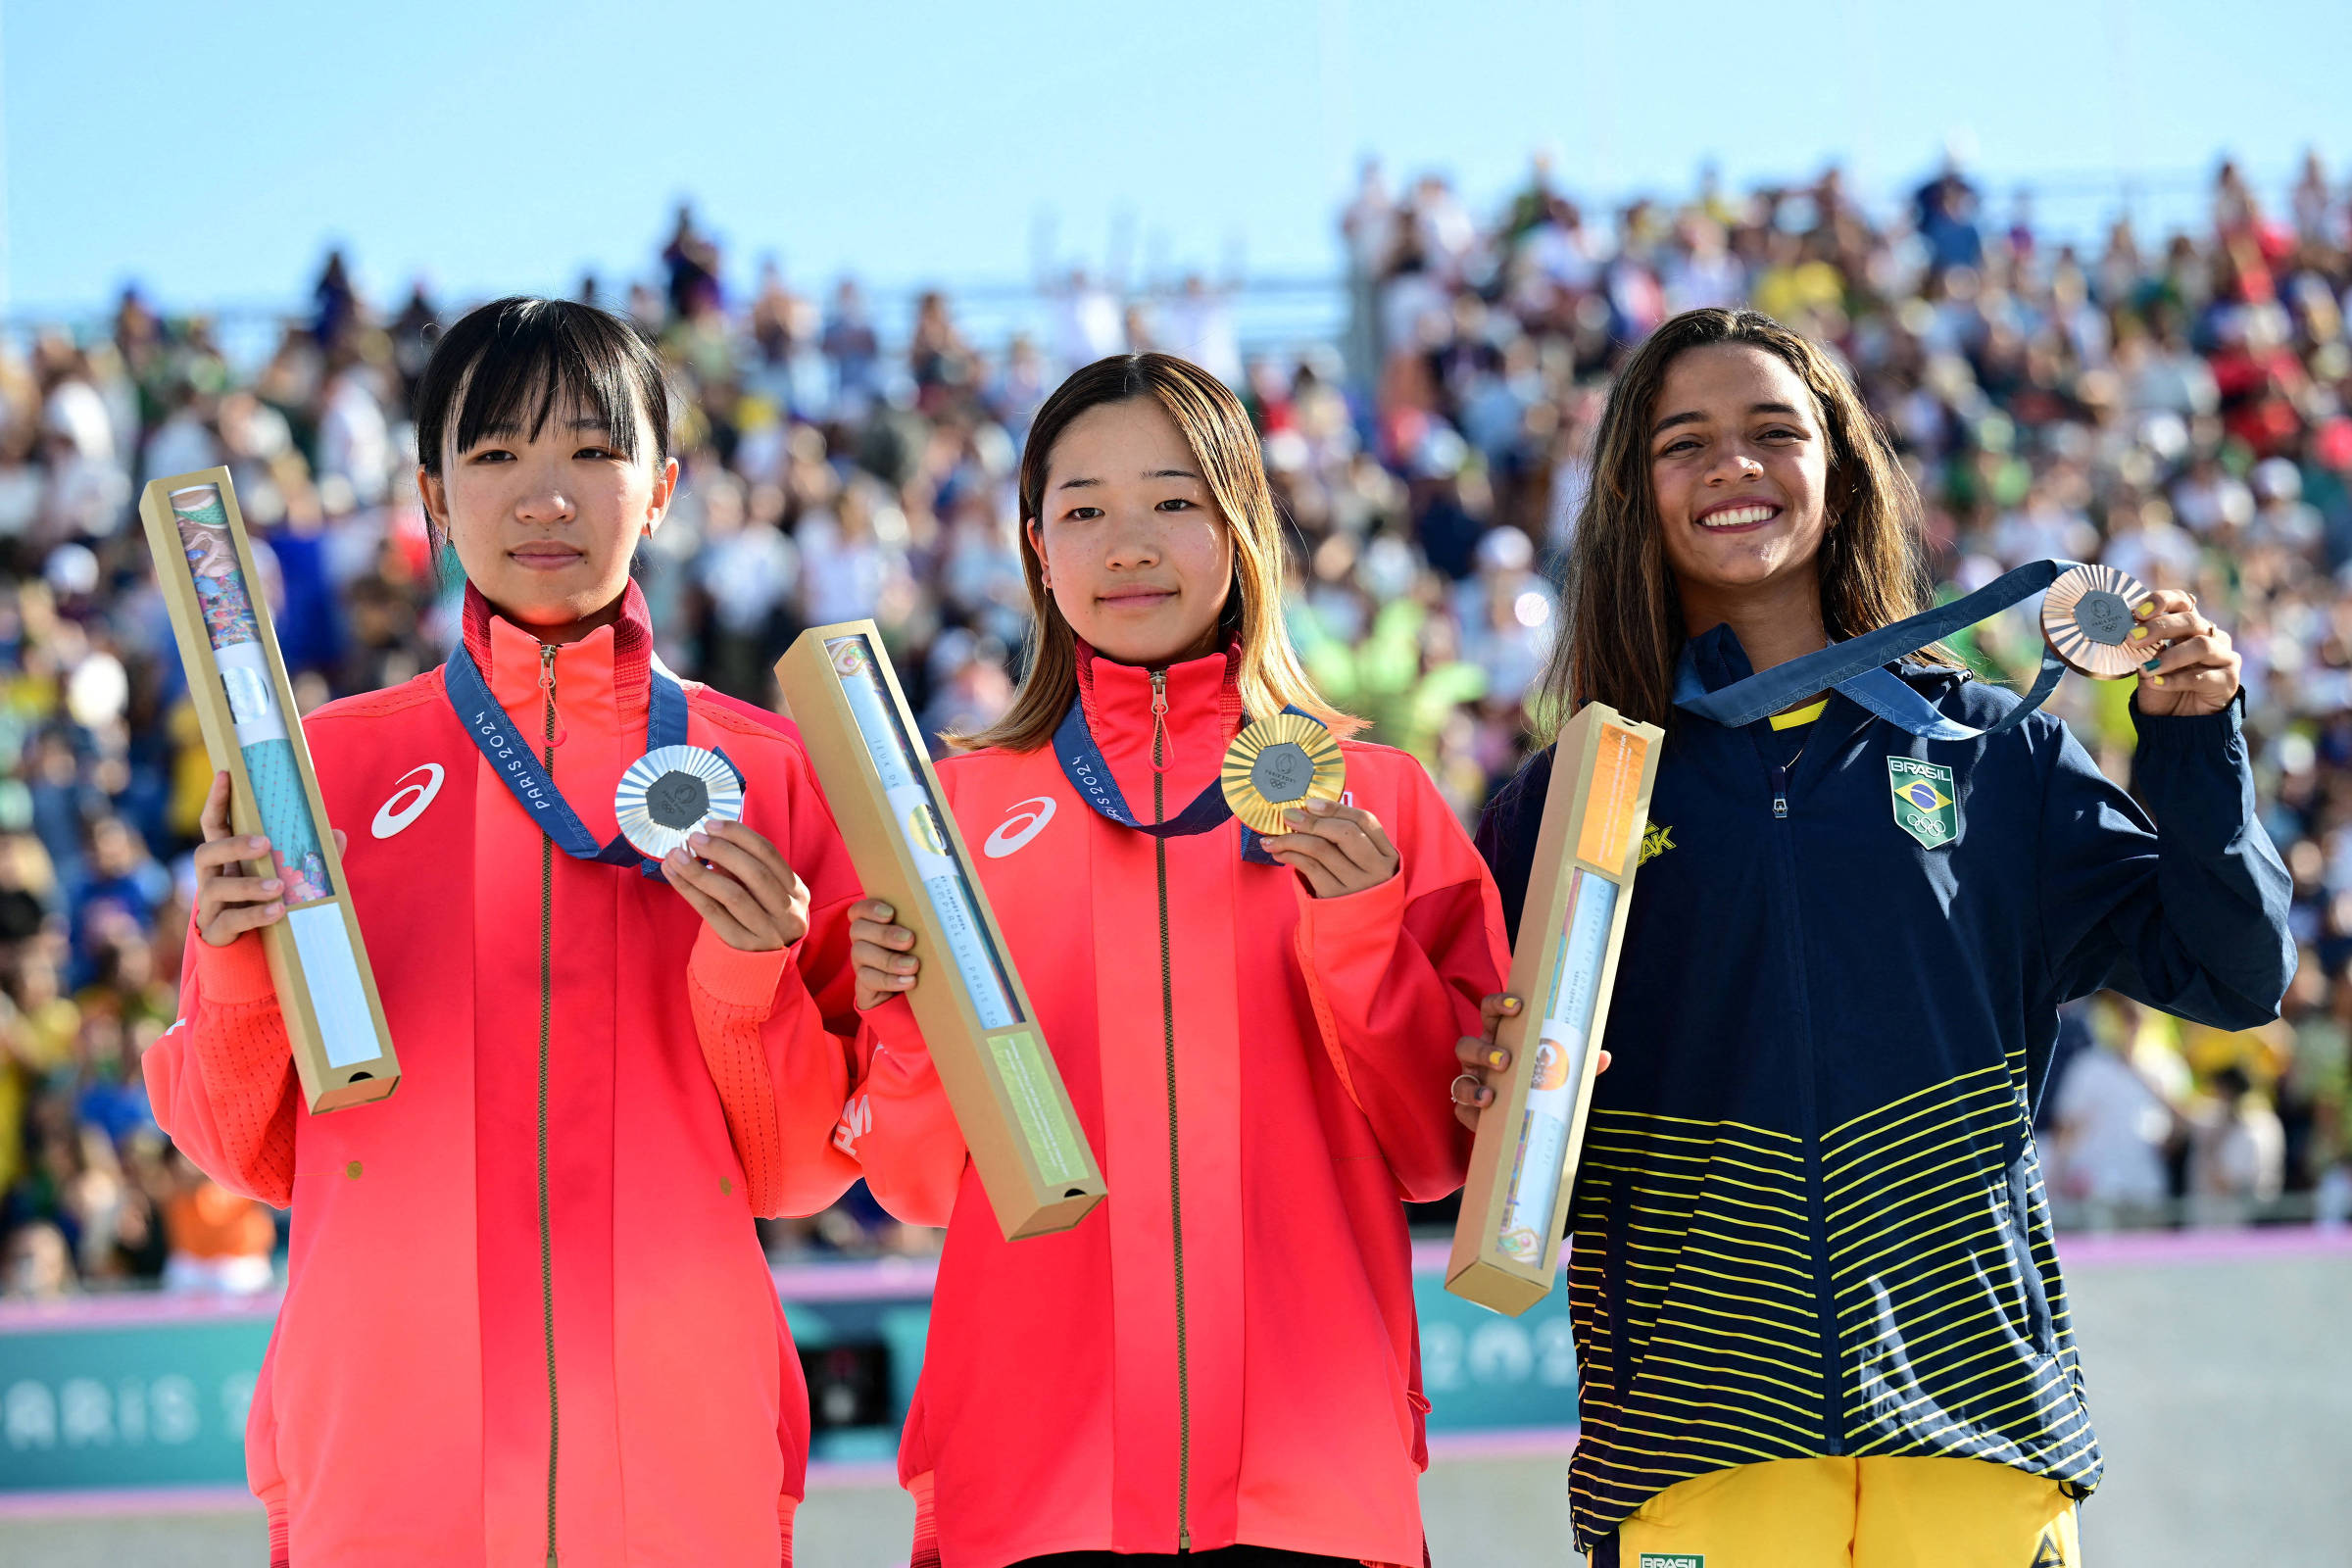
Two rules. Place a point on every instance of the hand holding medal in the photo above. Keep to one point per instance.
(1282, 777)
(2102, 623)
(677, 805)
(741, 886)
(1339, 849)
(2187, 664)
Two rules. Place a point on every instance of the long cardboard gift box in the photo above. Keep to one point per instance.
(983, 1036)
(253, 731)
(1506, 1243)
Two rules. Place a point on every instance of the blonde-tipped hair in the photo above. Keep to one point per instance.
(1217, 429)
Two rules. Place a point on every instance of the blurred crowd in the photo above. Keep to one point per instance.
(2174, 406)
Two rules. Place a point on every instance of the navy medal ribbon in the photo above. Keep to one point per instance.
(517, 766)
(1083, 764)
(1856, 667)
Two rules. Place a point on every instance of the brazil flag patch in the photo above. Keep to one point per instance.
(1924, 806)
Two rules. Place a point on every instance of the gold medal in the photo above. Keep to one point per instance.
(1278, 763)
(2086, 618)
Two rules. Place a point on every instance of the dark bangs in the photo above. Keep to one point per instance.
(509, 366)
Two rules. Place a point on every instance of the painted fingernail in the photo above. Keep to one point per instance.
(2137, 632)
(1499, 1058)
(2157, 680)
(2146, 610)
(2153, 663)
(1511, 1003)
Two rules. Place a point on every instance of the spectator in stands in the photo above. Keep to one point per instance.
(219, 1240)
(39, 1265)
(693, 261)
(1944, 211)
(2113, 1127)
(2238, 1151)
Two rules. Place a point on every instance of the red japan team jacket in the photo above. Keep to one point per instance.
(1224, 1350)
(419, 1403)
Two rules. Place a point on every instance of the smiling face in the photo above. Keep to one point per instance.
(1136, 551)
(545, 522)
(1739, 461)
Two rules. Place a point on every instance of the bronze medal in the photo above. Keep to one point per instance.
(2086, 618)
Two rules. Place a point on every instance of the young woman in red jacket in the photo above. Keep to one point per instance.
(526, 1317)
(1257, 1036)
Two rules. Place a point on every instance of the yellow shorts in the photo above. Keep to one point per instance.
(1852, 1513)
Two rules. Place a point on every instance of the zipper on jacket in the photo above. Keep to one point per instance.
(1832, 1411)
(1168, 1015)
(547, 1271)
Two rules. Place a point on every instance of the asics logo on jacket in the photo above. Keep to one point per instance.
(1025, 820)
(394, 814)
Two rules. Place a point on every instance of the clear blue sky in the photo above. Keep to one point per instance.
(212, 151)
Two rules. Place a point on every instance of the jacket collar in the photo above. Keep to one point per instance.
(611, 668)
(1205, 709)
(1718, 658)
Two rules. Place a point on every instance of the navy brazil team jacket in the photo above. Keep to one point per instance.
(1809, 1218)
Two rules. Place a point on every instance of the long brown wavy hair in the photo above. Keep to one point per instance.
(1624, 633)
(1224, 443)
